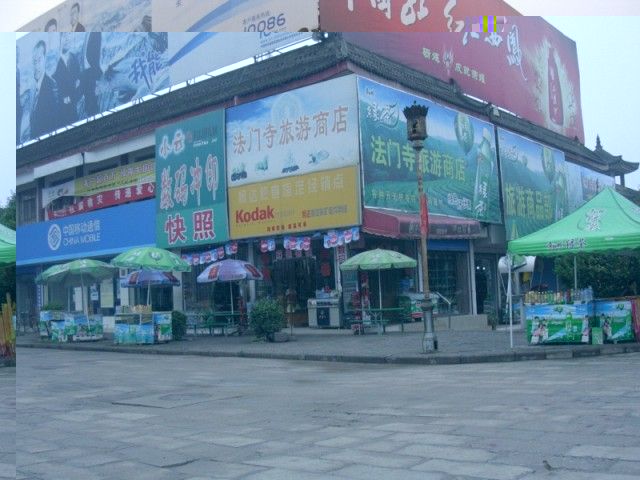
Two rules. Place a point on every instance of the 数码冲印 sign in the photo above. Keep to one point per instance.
(539, 187)
(301, 131)
(315, 201)
(459, 157)
(103, 232)
(191, 203)
(527, 67)
(235, 15)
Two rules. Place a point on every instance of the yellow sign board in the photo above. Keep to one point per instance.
(316, 201)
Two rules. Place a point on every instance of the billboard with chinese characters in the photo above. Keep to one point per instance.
(191, 203)
(192, 54)
(100, 233)
(539, 187)
(528, 67)
(315, 201)
(459, 157)
(300, 131)
(94, 16)
(63, 78)
(235, 15)
(127, 183)
(406, 15)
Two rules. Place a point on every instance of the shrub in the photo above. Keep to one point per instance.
(178, 325)
(267, 318)
(53, 307)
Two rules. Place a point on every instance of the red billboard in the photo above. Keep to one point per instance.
(406, 15)
(528, 67)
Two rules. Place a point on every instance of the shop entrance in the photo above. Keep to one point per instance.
(487, 287)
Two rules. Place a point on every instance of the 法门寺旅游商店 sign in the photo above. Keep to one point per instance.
(458, 159)
(191, 194)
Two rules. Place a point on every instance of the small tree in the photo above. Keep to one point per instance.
(267, 318)
(610, 275)
(178, 325)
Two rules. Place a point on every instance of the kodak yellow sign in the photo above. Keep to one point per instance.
(316, 201)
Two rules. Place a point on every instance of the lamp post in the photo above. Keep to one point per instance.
(416, 116)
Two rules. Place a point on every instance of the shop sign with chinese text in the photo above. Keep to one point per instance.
(539, 187)
(316, 201)
(458, 159)
(191, 203)
(526, 66)
(305, 130)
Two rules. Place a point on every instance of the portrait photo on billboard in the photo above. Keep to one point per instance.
(64, 77)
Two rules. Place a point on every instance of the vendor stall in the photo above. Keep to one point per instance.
(606, 223)
(142, 326)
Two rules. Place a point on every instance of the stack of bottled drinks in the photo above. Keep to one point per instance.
(583, 295)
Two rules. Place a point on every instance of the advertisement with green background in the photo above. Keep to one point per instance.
(538, 186)
(191, 199)
(616, 320)
(459, 157)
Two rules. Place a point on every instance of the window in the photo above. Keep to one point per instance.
(27, 209)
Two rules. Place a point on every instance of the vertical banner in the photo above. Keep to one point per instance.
(539, 187)
(191, 202)
(301, 131)
(458, 159)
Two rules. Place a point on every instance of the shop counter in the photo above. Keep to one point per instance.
(70, 326)
(142, 328)
(559, 323)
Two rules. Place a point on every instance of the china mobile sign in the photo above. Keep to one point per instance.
(526, 66)
(190, 176)
(78, 233)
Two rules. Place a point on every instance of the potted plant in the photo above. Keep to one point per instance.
(266, 319)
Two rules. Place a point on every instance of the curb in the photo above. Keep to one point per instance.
(582, 351)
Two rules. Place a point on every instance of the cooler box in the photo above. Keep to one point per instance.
(324, 312)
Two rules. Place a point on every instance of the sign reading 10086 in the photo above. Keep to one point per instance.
(266, 24)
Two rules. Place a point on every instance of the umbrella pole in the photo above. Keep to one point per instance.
(148, 293)
(82, 293)
(509, 294)
(379, 290)
(231, 295)
(575, 272)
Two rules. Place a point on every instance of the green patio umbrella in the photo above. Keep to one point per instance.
(77, 272)
(378, 259)
(151, 258)
(7, 245)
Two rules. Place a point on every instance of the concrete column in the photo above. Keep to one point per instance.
(472, 278)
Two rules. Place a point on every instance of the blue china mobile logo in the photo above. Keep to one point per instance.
(54, 237)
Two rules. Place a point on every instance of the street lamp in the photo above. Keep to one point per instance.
(416, 116)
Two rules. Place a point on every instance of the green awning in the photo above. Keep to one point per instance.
(7, 245)
(607, 222)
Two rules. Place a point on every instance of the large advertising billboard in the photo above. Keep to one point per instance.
(235, 15)
(62, 78)
(458, 159)
(191, 202)
(104, 232)
(539, 187)
(94, 16)
(406, 16)
(528, 67)
(315, 201)
(297, 132)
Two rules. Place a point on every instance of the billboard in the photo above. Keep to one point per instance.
(297, 132)
(234, 15)
(406, 16)
(191, 204)
(458, 159)
(529, 67)
(539, 187)
(115, 186)
(193, 54)
(315, 201)
(94, 16)
(66, 77)
(104, 232)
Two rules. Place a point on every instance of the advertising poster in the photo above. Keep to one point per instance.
(616, 320)
(458, 160)
(539, 187)
(234, 15)
(111, 187)
(94, 16)
(63, 78)
(192, 54)
(568, 323)
(316, 201)
(191, 203)
(305, 130)
(527, 66)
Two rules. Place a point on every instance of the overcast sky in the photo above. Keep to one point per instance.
(607, 47)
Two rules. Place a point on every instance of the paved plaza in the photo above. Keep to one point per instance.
(103, 415)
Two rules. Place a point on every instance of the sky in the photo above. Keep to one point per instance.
(606, 46)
